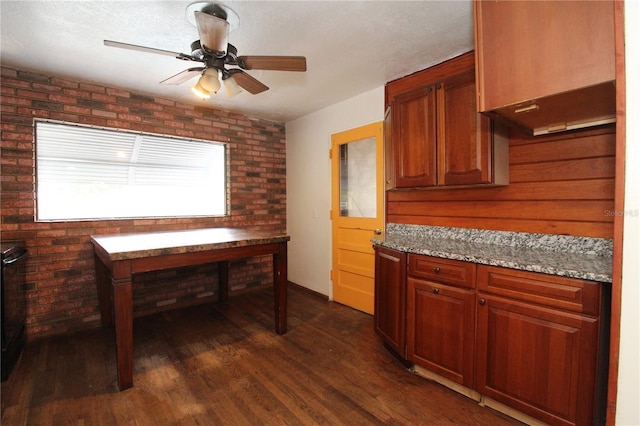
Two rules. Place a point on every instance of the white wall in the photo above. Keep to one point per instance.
(628, 409)
(309, 185)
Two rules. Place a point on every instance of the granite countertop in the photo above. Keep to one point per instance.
(137, 245)
(575, 257)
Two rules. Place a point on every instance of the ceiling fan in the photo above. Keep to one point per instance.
(214, 21)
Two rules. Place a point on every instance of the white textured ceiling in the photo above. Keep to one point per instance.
(351, 46)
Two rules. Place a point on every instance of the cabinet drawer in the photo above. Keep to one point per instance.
(445, 271)
(549, 290)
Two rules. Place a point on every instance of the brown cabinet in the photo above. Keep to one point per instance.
(414, 138)
(530, 341)
(546, 66)
(537, 344)
(435, 135)
(472, 150)
(441, 317)
(389, 167)
(390, 297)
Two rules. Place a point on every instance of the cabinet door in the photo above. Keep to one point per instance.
(546, 66)
(464, 136)
(528, 50)
(414, 138)
(537, 360)
(440, 329)
(389, 166)
(390, 297)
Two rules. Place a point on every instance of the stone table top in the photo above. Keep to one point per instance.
(137, 245)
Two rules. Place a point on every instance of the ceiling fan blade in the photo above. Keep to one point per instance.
(274, 63)
(183, 76)
(247, 82)
(178, 55)
(214, 33)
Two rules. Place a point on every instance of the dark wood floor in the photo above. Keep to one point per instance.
(224, 364)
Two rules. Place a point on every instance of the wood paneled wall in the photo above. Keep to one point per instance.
(560, 184)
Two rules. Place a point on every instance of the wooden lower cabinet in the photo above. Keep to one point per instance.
(539, 361)
(440, 329)
(390, 297)
(541, 344)
(532, 342)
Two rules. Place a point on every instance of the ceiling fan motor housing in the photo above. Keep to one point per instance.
(197, 51)
(215, 10)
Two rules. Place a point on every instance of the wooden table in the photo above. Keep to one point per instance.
(118, 257)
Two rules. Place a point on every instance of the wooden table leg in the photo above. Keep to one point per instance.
(223, 281)
(123, 315)
(105, 293)
(280, 288)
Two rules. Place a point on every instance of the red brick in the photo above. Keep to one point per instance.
(101, 113)
(61, 257)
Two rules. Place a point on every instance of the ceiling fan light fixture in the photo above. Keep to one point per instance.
(214, 33)
(208, 7)
(209, 80)
(231, 87)
(200, 91)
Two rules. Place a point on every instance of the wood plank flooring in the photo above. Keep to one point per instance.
(223, 363)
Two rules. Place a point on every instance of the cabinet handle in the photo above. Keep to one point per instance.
(482, 301)
(436, 270)
(531, 107)
(436, 291)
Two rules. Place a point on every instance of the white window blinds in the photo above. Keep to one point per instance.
(90, 173)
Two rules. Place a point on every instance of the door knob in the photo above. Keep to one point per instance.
(378, 231)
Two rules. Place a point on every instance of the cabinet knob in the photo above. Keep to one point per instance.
(482, 301)
(436, 291)
(378, 231)
(436, 270)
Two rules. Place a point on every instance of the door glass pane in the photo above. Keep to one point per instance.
(358, 178)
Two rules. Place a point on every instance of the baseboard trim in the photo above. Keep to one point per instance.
(469, 393)
(313, 293)
(505, 409)
(482, 400)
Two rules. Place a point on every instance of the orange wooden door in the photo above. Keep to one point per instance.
(357, 212)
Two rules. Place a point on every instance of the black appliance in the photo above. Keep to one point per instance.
(14, 304)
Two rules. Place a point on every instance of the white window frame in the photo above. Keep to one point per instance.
(96, 173)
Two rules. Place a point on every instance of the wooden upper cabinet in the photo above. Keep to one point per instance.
(437, 136)
(467, 148)
(414, 137)
(546, 66)
(389, 166)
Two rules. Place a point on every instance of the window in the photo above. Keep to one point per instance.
(92, 173)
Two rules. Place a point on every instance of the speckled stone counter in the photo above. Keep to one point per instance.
(576, 257)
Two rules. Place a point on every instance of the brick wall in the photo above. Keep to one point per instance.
(60, 279)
